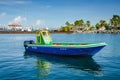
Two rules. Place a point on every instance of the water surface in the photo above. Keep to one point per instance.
(16, 64)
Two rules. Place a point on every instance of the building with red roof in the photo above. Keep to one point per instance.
(15, 27)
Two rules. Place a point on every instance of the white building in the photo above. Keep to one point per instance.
(29, 29)
(15, 27)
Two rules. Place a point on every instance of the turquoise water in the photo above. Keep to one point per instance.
(15, 64)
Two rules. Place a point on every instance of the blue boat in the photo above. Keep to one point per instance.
(44, 45)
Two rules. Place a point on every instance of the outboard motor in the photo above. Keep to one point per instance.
(28, 42)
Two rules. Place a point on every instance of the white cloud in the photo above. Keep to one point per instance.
(20, 2)
(3, 14)
(9, 2)
(39, 22)
(19, 19)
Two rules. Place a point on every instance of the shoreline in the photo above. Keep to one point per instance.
(6, 32)
(17, 32)
(63, 32)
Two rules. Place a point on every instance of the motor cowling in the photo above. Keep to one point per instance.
(28, 42)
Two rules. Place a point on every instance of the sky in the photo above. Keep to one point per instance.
(54, 13)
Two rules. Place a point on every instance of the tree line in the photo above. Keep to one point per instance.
(81, 25)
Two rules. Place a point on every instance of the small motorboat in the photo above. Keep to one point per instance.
(45, 45)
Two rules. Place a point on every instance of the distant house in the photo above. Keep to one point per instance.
(102, 28)
(15, 27)
(78, 29)
(29, 29)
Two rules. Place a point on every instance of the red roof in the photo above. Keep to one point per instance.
(15, 25)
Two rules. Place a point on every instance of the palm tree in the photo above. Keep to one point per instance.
(103, 23)
(79, 23)
(76, 23)
(97, 26)
(68, 24)
(115, 21)
(88, 23)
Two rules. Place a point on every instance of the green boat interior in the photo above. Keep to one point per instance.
(43, 38)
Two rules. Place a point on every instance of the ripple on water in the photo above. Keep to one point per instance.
(16, 65)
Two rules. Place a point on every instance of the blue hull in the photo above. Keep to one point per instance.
(68, 51)
(45, 45)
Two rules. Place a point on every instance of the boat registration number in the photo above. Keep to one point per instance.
(34, 47)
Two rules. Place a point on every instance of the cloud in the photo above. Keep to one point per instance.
(11, 2)
(39, 22)
(21, 2)
(18, 19)
(3, 14)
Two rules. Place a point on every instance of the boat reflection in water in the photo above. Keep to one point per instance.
(82, 63)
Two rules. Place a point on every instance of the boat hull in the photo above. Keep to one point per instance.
(66, 51)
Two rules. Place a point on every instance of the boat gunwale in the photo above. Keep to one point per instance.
(88, 45)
